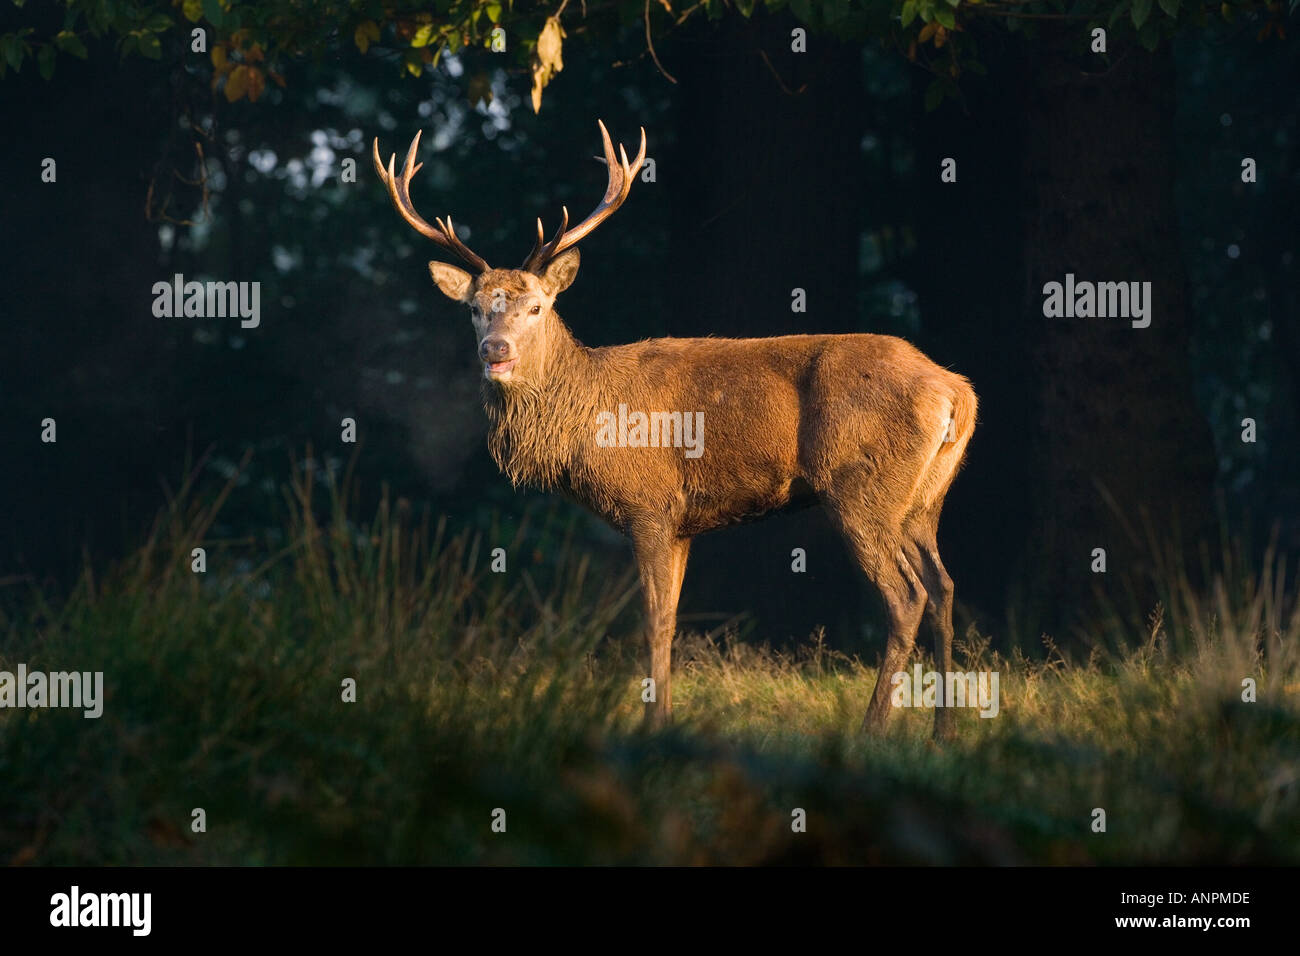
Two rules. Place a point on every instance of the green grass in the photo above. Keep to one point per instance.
(521, 691)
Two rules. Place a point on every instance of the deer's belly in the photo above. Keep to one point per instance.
(710, 509)
(703, 504)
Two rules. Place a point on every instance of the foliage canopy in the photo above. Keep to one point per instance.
(249, 41)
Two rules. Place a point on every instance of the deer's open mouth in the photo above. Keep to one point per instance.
(499, 369)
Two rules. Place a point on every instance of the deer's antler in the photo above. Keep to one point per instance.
(399, 190)
(621, 175)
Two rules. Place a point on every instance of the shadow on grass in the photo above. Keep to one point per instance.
(479, 692)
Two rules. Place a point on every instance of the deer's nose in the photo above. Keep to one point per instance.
(494, 349)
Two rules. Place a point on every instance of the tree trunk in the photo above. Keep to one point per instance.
(1118, 444)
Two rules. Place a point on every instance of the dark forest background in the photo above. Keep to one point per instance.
(774, 170)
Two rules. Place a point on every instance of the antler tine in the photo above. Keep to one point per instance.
(615, 182)
(399, 192)
(541, 250)
(564, 225)
(379, 163)
(538, 243)
(459, 247)
(410, 167)
(621, 175)
(635, 167)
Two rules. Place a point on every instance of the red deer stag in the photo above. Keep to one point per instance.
(865, 425)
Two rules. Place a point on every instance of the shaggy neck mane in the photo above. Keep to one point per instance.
(538, 426)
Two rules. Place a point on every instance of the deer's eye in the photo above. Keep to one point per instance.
(535, 310)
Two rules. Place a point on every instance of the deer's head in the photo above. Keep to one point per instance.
(512, 309)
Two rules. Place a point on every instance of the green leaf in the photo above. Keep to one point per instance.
(45, 60)
(1119, 11)
(69, 42)
(212, 10)
(1141, 11)
(494, 12)
(909, 12)
(802, 10)
(947, 19)
(1149, 35)
(150, 46)
(953, 3)
(1170, 7)
(12, 48)
(746, 8)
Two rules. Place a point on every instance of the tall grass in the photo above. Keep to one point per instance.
(520, 691)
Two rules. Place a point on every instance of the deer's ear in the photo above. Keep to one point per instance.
(561, 272)
(454, 283)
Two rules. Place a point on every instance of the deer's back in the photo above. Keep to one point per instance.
(780, 417)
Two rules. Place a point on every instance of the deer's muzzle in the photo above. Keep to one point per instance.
(498, 357)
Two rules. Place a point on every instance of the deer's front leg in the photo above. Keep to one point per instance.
(661, 561)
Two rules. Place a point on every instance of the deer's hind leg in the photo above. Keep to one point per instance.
(877, 542)
(922, 551)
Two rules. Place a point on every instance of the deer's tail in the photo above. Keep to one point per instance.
(956, 428)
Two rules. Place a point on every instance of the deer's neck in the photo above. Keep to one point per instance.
(538, 427)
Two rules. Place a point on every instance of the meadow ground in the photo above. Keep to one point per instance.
(478, 692)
